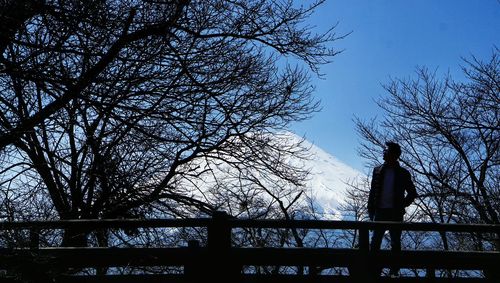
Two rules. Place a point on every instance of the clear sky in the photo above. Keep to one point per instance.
(389, 39)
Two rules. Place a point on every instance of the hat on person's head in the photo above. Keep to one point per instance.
(394, 147)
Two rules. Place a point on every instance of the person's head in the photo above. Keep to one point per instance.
(392, 151)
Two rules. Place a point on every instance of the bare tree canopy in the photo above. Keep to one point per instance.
(105, 105)
(450, 131)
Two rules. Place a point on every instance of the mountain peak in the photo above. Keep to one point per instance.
(329, 179)
(225, 187)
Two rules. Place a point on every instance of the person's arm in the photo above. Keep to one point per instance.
(371, 198)
(411, 192)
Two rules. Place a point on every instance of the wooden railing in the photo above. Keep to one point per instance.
(219, 261)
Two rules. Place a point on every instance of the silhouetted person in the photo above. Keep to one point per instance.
(391, 191)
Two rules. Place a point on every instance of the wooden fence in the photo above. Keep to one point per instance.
(219, 261)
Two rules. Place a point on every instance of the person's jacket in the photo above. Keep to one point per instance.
(404, 189)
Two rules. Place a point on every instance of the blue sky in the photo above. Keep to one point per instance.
(389, 38)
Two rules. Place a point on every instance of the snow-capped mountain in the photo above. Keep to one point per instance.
(325, 187)
(329, 180)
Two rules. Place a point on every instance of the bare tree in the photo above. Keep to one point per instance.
(450, 132)
(108, 106)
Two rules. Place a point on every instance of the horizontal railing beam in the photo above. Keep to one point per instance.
(101, 257)
(322, 257)
(347, 257)
(254, 278)
(370, 225)
(92, 224)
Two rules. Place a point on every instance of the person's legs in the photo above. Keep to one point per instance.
(378, 234)
(395, 248)
(376, 241)
(395, 240)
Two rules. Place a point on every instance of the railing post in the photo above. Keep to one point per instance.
(219, 249)
(364, 239)
(313, 271)
(194, 269)
(430, 273)
(358, 270)
(34, 238)
(219, 232)
(367, 268)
